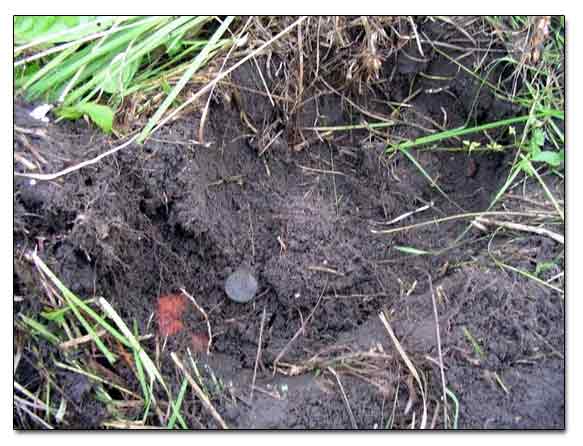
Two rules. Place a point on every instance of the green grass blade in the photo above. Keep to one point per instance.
(177, 404)
(142, 378)
(410, 250)
(74, 302)
(511, 177)
(474, 343)
(56, 62)
(480, 128)
(196, 64)
(150, 43)
(87, 326)
(411, 158)
(148, 364)
(59, 314)
(526, 274)
(544, 186)
(529, 276)
(456, 403)
(62, 29)
(90, 58)
(41, 329)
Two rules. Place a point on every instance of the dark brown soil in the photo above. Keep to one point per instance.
(174, 214)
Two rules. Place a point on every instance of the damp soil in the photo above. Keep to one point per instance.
(175, 214)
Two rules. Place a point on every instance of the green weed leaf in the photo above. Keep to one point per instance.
(542, 267)
(537, 140)
(102, 115)
(57, 29)
(526, 166)
(553, 159)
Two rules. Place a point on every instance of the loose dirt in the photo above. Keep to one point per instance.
(174, 214)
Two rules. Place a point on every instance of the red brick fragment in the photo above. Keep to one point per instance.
(170, 309)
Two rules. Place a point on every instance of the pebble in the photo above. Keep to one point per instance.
(241, 286)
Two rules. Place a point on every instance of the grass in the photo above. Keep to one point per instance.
(72, 317)
(539, 147)
(529, 275)
(411, 367)
(94, 66)
(90, 67)
(454, 133)
(475, 345)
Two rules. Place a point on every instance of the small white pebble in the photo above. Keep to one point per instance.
(39, 113)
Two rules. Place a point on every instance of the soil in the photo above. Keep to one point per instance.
(173, 213)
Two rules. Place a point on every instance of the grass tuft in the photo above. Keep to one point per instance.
(92, 66)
